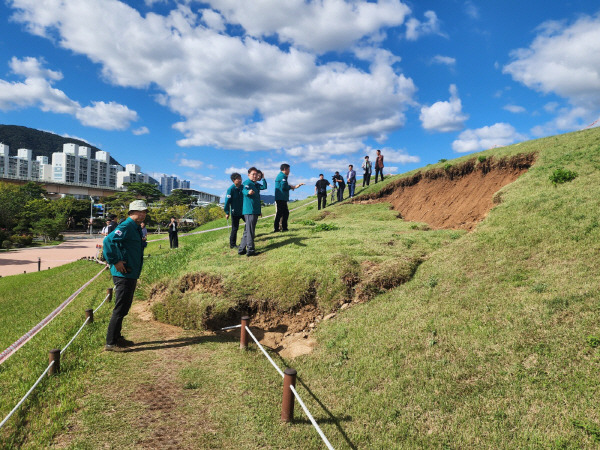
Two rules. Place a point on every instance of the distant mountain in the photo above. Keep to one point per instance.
(41, 143)
(268, 199)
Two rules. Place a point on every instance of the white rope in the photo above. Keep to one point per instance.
(231, 328)
(26, 395)
(31, 333)
(265, 352)
(311, 418)
(100, 305)
(76, 334)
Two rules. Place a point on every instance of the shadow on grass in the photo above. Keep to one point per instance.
(177, 343)
(288, 241)
(331, 419)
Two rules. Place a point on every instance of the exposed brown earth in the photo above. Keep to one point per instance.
(458, 197)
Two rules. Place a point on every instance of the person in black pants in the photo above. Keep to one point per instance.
(337, 178)
(321, 191)
(282, 197)
(124, 252)
(173, 228)
(379, 166)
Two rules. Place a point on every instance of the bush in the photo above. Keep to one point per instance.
(443, 160)
(447, 167)
(481, 158)
(561, 175)
(325, 227)
(22, 240)
(7, 244)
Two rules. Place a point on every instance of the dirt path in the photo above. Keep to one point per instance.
(143, 402)
(17, 261)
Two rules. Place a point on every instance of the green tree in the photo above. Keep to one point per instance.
(178, 197)
(11, 204)
(118, 203)
(76, 211)
(149, 191)
(49, 228)
(32, 191)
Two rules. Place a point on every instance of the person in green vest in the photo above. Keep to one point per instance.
(234, 202)
(252, 210)
(282, 196)
(124, 251)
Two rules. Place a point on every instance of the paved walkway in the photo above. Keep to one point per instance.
(26, 259)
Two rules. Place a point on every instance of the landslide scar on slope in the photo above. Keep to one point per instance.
(458, 197)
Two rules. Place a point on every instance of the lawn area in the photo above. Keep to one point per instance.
(24, 301)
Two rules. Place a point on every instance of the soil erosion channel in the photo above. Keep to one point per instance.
(453, 197)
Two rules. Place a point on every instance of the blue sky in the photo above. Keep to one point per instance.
(201, 89)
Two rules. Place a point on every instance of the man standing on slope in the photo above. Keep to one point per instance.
(379, 166)
(234, 202)
(282, 196)
(251, 210)
(124, 252)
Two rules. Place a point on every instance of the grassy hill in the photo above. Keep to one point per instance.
(492, 342)
(441, 339)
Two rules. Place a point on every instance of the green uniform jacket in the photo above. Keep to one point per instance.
(125, 244)
(264, 184)
(282, 188)
(234, 201)
(251, 202)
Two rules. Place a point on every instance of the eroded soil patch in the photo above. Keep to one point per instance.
(457, 197)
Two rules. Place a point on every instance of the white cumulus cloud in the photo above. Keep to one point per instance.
(37, 91)
(415, 28)
(444, 116)
(497, 135)
(514, 109)
(446, 60)
(140, 131)
(563, 59)
(241, 90)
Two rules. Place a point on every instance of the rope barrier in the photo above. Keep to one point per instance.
(265, 352)
(103, 301)
(231, 327)
(306, 411)
(76, 334)
(11, 350)
(50, 365)
(311, 418)
(26, 395)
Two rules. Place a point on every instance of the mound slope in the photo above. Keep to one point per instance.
(456, 197)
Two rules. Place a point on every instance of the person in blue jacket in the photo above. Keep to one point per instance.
(234, 202)
(251, 210)
(282, 196)
(123, 250)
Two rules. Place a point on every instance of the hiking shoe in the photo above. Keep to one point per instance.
(114, 348)
(122, 342)
(243, 252)
(252, 253)
(232, 246)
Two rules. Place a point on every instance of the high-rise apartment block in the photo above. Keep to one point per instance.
(74, 165)
(167, 184)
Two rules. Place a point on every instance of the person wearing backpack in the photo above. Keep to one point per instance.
(367, 168)
(321, 190)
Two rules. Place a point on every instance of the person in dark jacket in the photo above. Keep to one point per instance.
(124, 251)
(234, 202)
(367, 168)
(337, 178)
(251, 210)
(321, 191)
(282, 197)
(351, 178)
(379, 166)
(173, 228)
(112, 224)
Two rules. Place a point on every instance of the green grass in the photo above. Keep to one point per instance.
(490, 343)
(24, 301)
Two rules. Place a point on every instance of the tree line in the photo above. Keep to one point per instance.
(27, 213)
